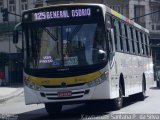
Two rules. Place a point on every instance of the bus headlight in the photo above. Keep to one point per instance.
(99, 80)
(32, 85)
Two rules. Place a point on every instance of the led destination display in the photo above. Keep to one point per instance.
(47, 15)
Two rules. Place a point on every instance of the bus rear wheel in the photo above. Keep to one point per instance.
(118, 102)
(53, 108)
(142, 95)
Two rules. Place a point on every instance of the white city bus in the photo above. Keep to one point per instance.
(77, 53)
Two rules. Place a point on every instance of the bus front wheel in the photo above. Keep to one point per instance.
(53, 108)
(118, 102)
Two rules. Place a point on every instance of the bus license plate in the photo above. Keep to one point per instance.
(64, 94)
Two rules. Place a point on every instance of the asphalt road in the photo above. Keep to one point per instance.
(16, 109)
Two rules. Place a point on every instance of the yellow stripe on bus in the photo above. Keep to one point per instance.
(68, 80)
(116, 14)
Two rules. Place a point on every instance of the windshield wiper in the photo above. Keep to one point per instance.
(50, 34)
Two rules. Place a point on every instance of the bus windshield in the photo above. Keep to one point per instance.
(57, 38)
(70, 45)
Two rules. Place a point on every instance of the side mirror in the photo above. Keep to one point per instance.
(101, 54)
(16, 33)
(15, 36)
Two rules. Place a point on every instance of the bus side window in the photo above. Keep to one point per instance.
(135, 41)
(121, 38)
(108, 30)
(148, 46)
(140, 43)
(143, 44)
(138, 47)
(117, 35)
(108, 22)
(130, 39)
(127, 40)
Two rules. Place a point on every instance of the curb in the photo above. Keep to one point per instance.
(12, 95)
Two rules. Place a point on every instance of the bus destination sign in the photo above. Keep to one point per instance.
(57, 14)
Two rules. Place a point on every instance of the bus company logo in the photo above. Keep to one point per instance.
(63, 84)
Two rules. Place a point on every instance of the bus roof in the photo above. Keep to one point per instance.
(120, 16)
(71, 4)
(109, 10)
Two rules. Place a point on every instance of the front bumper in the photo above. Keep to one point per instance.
(78, 94)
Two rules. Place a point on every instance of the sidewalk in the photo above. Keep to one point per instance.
(7, 93)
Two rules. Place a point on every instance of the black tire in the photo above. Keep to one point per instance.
(53, 109)
(142, 95)
(118, 102)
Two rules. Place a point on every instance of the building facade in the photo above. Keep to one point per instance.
(15, 6)
(13, 70)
